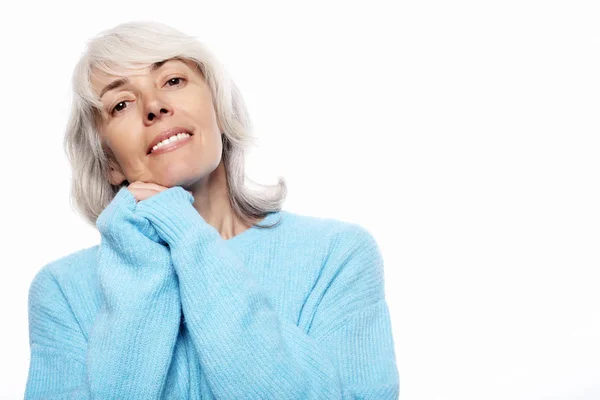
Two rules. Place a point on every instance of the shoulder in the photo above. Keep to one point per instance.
(53, 314)
(336, 233)
(56, 273)
(349, 273)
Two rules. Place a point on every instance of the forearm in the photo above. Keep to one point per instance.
(131, 342)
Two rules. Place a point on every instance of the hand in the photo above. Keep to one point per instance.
(120, 216)
(143, 190)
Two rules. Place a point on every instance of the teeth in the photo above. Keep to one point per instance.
(171, 139)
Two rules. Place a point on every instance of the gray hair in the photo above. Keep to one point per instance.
(129, 45)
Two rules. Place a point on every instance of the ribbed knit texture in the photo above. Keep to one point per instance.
(164, 308)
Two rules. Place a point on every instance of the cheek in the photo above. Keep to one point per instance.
(125, 146)
(200, 112)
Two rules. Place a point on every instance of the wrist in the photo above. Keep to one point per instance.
(172, 213)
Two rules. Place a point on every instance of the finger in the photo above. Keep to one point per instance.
(156, 186)
(148, 185)
(136, 184)
(142, 193)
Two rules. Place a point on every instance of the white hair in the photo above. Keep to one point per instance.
(128, 45)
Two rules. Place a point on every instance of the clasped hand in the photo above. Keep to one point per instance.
(143, 190)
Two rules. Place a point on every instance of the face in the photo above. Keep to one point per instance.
(164, 98)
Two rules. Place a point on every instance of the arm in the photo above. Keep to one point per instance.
(131, 343)
(246, 350)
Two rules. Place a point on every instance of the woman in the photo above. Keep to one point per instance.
(199, 288)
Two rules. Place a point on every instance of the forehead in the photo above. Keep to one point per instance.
(100, 78)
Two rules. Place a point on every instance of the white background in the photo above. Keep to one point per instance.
(463, 135)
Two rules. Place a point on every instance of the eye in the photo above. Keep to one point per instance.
(175, 81)
(119, 107)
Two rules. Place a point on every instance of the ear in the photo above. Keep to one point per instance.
(115, 174)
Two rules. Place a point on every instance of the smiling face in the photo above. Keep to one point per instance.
(140, 105)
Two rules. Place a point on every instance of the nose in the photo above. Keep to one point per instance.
(156, 108)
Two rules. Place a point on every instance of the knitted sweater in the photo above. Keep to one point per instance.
(165, 308)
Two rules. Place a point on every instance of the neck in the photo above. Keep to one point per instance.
(211, 200)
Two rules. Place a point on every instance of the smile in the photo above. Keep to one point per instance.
(172, 143)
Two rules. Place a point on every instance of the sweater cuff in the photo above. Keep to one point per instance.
(123, 202)
(172, 214)
(121, 210)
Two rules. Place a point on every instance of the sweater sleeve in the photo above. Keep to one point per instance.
(246, 350)
(130, 345)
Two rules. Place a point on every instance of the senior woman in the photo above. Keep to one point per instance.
(199, 287)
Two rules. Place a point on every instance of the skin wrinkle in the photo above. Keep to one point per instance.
(197, 166)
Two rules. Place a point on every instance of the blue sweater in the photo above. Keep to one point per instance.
(164, 307)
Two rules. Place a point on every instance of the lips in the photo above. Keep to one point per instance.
(167, 133)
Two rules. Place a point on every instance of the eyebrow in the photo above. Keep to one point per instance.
(122, 81)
